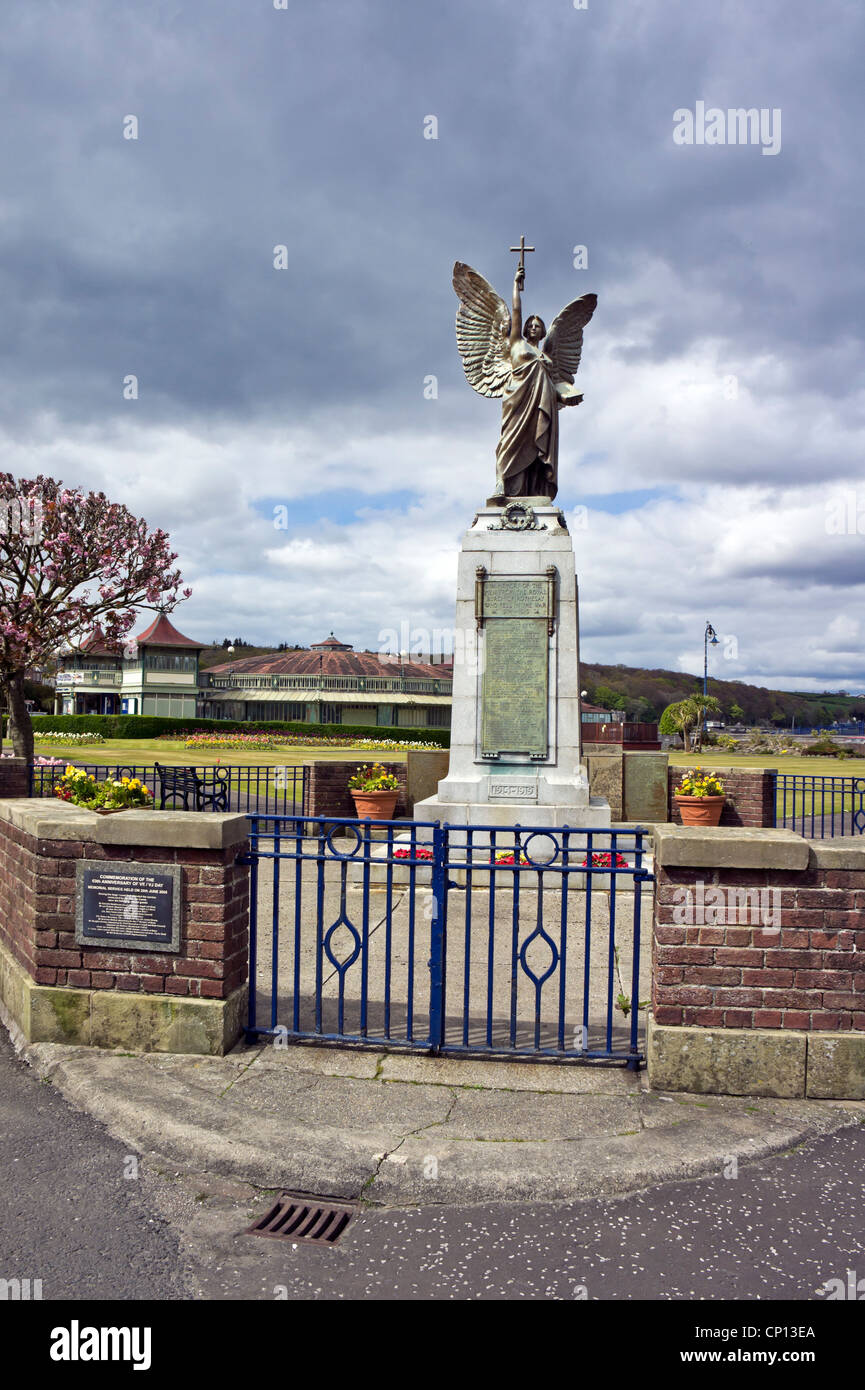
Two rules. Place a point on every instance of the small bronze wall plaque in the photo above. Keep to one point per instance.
(126, 906)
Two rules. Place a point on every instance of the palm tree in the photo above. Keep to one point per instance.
(701, 705)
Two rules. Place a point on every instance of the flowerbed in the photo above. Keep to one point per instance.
(605, 861)
(418, 853)
(264, 741)
(76, 739)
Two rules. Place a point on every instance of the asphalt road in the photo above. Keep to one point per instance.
(779, 1229)
(68, 1215)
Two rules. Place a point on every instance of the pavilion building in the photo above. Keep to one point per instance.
(157, 673)
(330, 683)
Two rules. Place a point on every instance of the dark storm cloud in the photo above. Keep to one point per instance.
(259, 127)
(304, 127)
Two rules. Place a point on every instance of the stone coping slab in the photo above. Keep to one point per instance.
(842, 852)
(729, 847)
(58, 820)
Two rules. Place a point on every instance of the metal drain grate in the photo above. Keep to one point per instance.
(294, 1217)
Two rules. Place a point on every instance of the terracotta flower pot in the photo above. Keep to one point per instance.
(376, 805)
(700, 810)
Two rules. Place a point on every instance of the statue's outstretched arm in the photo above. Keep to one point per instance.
(517, 310)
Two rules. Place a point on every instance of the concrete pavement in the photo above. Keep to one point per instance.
(411, 1130)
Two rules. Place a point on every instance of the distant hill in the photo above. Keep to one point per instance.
(216, 655)
(644, 694)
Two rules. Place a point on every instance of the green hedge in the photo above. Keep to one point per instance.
(153, 726)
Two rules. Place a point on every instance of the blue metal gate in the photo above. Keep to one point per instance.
(519, 943)
(820, 806)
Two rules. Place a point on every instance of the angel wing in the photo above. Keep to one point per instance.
(483, 323)
(564, 342)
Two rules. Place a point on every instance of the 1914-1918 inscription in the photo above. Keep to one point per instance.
(126, 906)
(516, 668)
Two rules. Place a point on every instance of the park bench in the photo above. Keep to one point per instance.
(185, 784)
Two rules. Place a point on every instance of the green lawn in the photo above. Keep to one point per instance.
(146, 752)
(143, 753)
(718, 757)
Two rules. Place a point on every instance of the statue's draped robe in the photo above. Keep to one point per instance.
(527, 453)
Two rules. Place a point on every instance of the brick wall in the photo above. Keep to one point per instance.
(14, 777)
(750, 795)
(805, 971)
(37, 918)
(328, 786)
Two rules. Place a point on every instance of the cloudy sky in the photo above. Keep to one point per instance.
(715, 468)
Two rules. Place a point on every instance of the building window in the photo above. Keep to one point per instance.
(168, 661)
(331, 714)
(173, 706)
(438, 717)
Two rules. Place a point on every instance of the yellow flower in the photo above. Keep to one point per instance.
(124, 782)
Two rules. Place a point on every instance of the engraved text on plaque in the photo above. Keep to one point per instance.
(126, 906)
(514, 693)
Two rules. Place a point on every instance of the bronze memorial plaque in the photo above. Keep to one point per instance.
(124, 906)
(516, 668)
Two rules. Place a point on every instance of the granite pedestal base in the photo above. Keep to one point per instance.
(516, 754)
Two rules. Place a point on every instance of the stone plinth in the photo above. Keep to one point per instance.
(53, 988)
(515, 754)
(758, 985)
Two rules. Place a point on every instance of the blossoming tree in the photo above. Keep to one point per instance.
(69, 562)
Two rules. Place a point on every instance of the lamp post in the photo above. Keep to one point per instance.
(708, 636)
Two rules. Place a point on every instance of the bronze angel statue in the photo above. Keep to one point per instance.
(503, 359)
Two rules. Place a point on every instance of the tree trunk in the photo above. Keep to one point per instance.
(20, 725)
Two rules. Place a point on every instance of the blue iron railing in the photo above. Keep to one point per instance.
(820, 806)
(253, 790)
(510, 942)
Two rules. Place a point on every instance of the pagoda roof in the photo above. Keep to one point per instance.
(162, 633)
(329, 661)
(95, 645)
